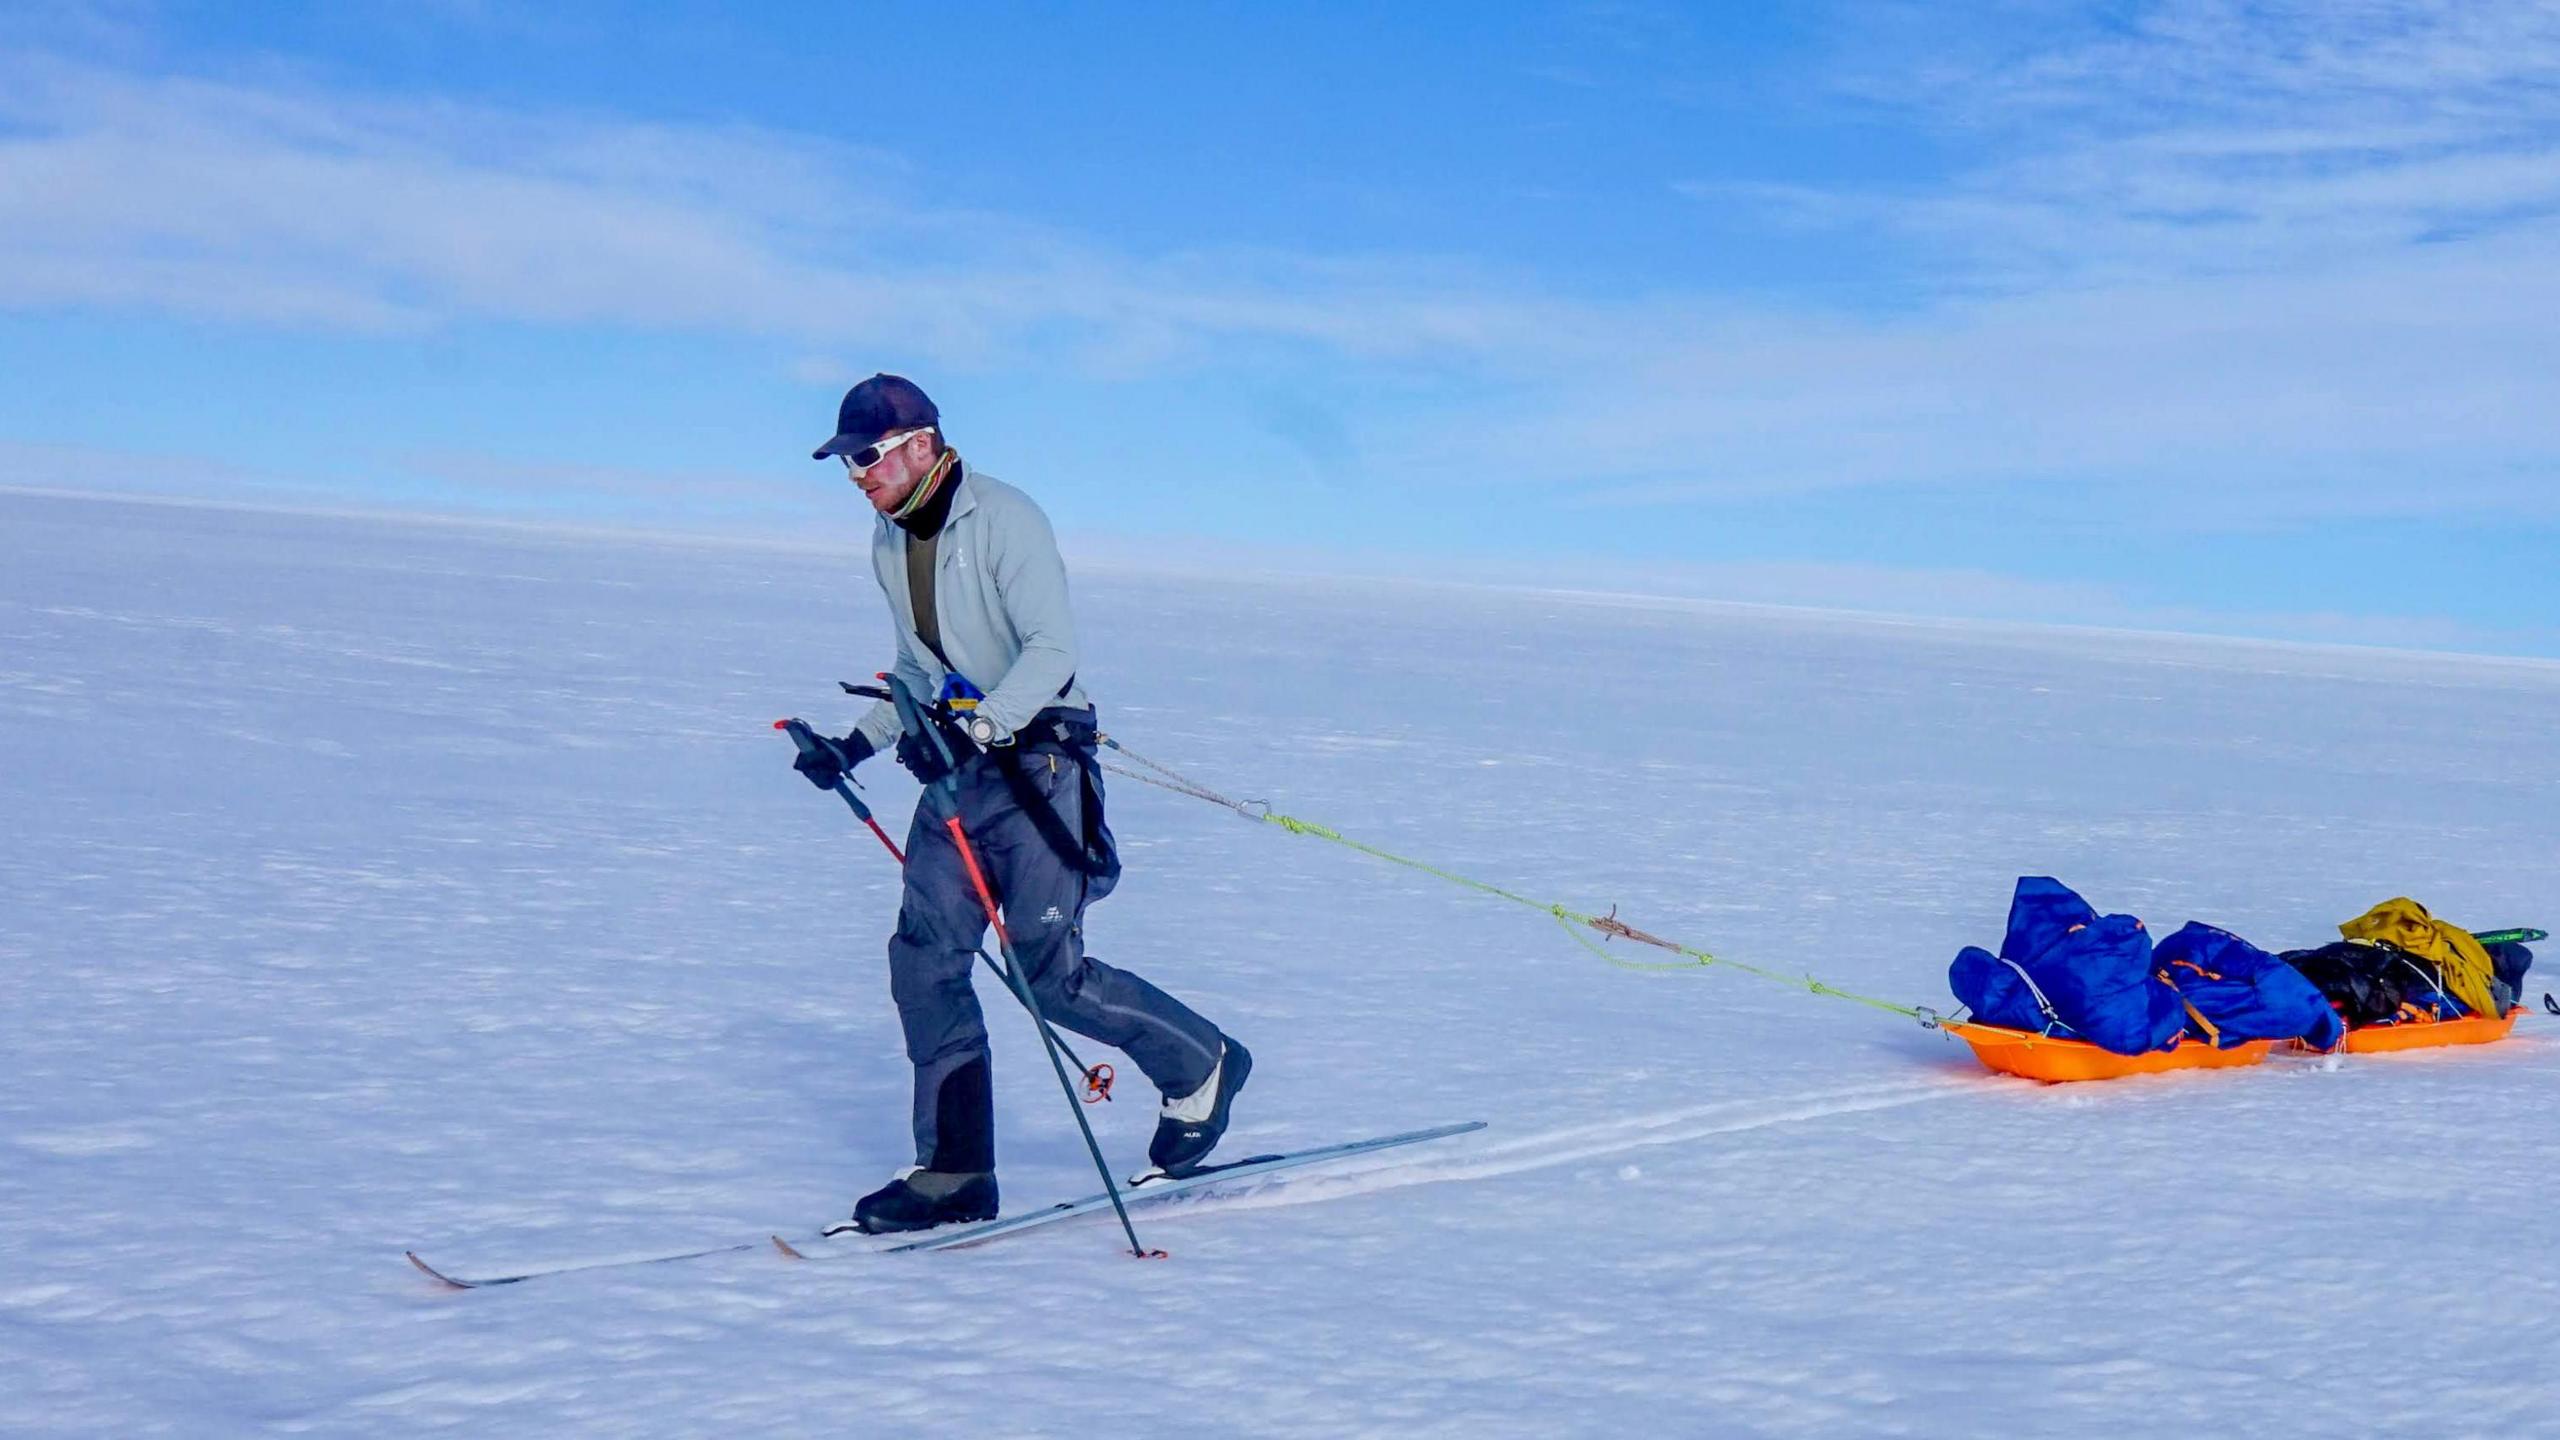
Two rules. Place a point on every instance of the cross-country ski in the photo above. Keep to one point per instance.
(1147, 1189)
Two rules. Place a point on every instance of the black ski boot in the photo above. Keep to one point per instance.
(922, 1199)
(1191, 1127)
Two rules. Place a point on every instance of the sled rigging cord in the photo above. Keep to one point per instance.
(1575, 922)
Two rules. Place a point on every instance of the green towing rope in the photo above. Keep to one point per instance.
(1575, 922)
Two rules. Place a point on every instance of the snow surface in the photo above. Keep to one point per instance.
(368, 885)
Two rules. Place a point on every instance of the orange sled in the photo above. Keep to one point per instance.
(2426, 1035)
(2045, 1057)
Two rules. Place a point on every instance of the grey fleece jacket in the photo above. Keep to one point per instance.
(1000, 590)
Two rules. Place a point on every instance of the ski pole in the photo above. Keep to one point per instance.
(1097, 1078)
(911, 715)
(801, 736)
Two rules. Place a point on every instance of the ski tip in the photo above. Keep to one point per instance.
(435, 1274)
(785, 1247)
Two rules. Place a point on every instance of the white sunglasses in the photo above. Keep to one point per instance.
(857, 461)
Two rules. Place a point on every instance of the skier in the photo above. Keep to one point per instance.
(978, 596)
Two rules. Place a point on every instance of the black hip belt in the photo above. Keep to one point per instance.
(1060, 730)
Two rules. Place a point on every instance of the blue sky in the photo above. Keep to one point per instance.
(2212, 316)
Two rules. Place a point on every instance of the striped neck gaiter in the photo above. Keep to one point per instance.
(920, 501)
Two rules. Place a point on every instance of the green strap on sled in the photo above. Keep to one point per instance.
(2521, 935)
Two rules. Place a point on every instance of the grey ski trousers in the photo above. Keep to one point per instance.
(941, 925)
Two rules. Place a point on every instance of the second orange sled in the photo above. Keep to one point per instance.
(2427, 1035)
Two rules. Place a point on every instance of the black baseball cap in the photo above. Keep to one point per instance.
(876, 407)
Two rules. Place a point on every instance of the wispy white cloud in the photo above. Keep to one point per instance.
(2214, 136)
(310, 208)
(209, 198)
(2406, 383)
(2263, 260)
(2256, 259)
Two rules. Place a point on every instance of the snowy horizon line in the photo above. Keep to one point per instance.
(1117, 555)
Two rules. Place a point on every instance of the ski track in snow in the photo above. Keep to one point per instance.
(369, 886)
(1569, 1145)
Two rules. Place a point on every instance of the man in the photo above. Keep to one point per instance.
(978, 595)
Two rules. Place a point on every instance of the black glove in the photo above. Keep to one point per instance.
(922, 760)
(826, 762)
